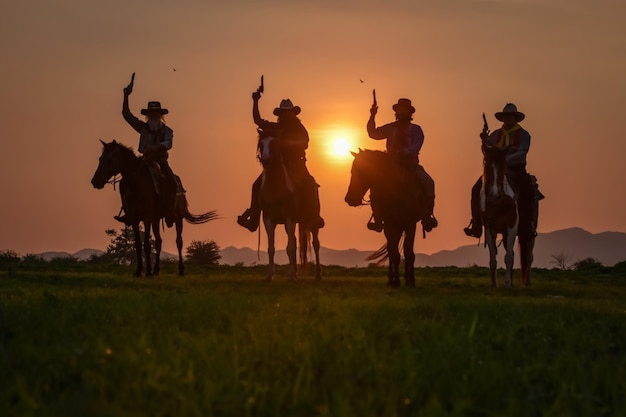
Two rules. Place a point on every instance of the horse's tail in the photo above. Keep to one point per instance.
(182, 208)
(304, 242)
(380, 256)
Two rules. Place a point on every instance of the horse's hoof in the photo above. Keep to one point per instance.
(269, 278)
(410, 284)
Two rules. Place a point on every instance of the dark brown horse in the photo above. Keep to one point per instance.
(140, 202)
(501, 215)
(391, 190)
(279, 205)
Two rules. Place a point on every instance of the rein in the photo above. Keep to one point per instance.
(114, 180)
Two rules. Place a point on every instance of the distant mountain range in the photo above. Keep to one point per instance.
(570, 245)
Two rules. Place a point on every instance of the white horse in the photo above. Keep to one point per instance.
(499, 211)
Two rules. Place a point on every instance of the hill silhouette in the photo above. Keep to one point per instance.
(571, 244)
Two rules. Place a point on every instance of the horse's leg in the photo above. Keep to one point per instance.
(179, 245)
(290, 228)
(509, 256)
(137, 236)
(271, 232)
(316, 247)
(490, 239)
(146, 247)
(158, 243)
(393, 239)
(409, 255)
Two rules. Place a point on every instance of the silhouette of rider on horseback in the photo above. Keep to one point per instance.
(516, 140)
(154, 141)
(404, 142)
(293, 140)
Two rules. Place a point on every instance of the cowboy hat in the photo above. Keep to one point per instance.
(403, 103)
(510, 108)
(286, 105)
(153, 107)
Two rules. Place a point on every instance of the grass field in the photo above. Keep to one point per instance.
(221, 342)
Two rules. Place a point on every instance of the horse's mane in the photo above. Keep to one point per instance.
(125, 148)
(370, 155)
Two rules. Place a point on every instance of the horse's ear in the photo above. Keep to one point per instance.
(102, 142)
(114, 142)
(354, 153)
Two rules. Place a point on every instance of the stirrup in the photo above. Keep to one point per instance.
(122, 219)
(477, 233)
(473, 231)
(375, 226)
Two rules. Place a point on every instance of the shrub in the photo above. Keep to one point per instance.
(202, 252)
(587, 264)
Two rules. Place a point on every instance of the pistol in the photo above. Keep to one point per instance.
(485, 124)
(374, 96)
(261, 87)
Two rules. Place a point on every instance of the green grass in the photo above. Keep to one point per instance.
(221, 342)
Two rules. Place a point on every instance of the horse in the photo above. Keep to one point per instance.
(390, 190)
(279, 204)
(499, 210)
(140, 202)
(501, 215)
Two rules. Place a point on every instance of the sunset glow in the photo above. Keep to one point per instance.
(568, 80)
(341, 148)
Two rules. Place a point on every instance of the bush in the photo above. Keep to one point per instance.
(588, 264)
(202, 252)
(8, 258)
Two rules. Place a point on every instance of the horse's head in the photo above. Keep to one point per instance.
(366, 168)
(267, 147)
(110, 163)
(495, 165)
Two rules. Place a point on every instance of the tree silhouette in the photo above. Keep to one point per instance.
(203, 252)
(121, 249)
(562, 260)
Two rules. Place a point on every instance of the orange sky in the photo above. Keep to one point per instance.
(563, 62)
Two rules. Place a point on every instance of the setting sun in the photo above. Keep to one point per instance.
(337, 142)
(341, 147)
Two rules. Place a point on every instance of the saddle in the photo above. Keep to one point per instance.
(156, 174)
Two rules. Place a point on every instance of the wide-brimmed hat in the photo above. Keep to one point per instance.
(153, 107)
(286, 105)
(510, 108)
(403, 103)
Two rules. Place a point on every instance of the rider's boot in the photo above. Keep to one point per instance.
(249, 219)
(429, 222)
(122, 218)
(319, 223)
(170, 210)
(474, 229)
(375, 224)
